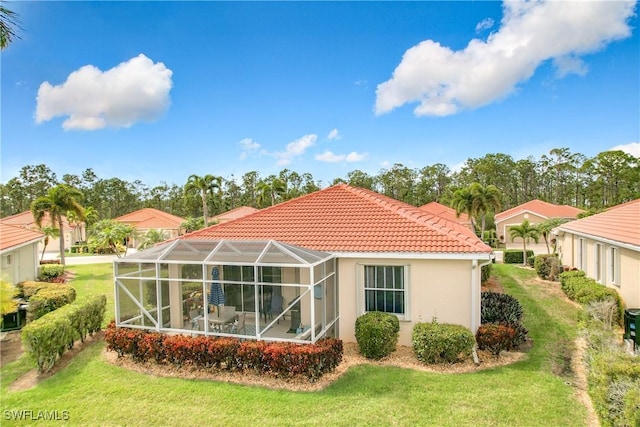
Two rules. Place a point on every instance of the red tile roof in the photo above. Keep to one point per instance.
(620, 223)
(233, 214)
(149, 218)
(12, 236)
(342, 218)
(445, 212)
(547, 210)
(25, 219)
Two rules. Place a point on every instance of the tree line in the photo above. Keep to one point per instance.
(560, 177)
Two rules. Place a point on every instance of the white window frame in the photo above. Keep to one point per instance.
(613, 263)
(597, 263)
(406, 286)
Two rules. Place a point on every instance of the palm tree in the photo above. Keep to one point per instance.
(270, 189)
(545, 228)
(462, 202)
(150, 238)
(205, 185)
(8, 23)
(91, 216)
(525, 231)
(485, 199)
(48, 233)
(58, 201)
(111, 235)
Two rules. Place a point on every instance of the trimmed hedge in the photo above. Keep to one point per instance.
(442, 342)
(227, 354)
(51, 335)
(49, 272)
(49, 299)
(377, 334)
(585, 290)
(485, 273)
(514, 256)
(548, 267)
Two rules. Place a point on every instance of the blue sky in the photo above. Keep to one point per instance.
(157, 91)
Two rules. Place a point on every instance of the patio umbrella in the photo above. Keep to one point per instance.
(216, 296)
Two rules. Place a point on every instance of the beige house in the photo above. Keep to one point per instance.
(147, 219)
(307, 268)
(19, 253)
(536, 211)
(606, 247)
(71, 233)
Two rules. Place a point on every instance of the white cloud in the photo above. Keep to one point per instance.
(334, 134)
(352, 157)
(135, 90)
(248, 146)
(485, 24)
(445, 82)
(632, 148)
(295, 148)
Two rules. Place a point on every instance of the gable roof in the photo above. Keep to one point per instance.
(541, 208)
(148, 218)
(342, 218)
(233, 214)
(620, 224)
(25, 219)
(445, 212)
(12, 236)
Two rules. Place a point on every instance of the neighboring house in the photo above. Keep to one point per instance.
(536, 211)
(322, 260)
(147, 219)
(232, 215)
(70, 232)
(606, 246)
(447, 213)
(19, 253)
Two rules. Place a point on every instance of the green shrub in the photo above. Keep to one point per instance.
(503, 309)
(514, 256)
(27, 289)
(485, 273)
(48, 272)
(585, 290)
(377, 334)
(495, 337)
(547, 266)
(442, 342)
(48, 299)
(531, 260)
(48, 337)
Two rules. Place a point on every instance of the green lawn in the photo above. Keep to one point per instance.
(527, 393)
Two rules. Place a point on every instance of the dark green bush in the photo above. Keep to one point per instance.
(495, 337)
(442, 342)
(49, 299)
(585, 290)
(531, 260)
(503, 309)
(547, 267)
(514, 256)
(48, 272)
(485, 273)
(377, 334)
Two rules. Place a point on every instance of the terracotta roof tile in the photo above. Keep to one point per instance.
(148, 218)
(445, 212)
(25, 219)
(620, 223)
(545, 209)
(342, 218)
(12, 236)
(233, 214)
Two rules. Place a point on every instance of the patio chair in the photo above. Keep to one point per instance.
(239, 327)
(193, 316)
(276, 306)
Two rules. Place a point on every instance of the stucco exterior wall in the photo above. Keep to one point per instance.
(503, 226)
(20, 264)
(616, 267)
(437, 288)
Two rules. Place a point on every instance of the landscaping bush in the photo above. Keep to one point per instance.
(547, 266)
(377, 334)
(27, 289)
(48, 299)
(49, 261)
(514, 256)
(495, 337)
(485, 273)
(229, 354)
(441, 342)
(531, 260)
(48, 337)
(503, 309)
(585, 290)
(50, 272)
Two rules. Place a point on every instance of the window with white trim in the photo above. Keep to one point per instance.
(613, 266)
(385, 289)
(597, 265)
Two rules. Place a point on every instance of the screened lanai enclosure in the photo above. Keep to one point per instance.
(263, 290)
